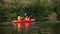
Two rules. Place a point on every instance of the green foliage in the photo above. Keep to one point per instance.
(12, 16)
(38, 9)
(41, 10)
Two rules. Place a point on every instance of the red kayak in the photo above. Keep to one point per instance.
(14, 22)
(23, 21)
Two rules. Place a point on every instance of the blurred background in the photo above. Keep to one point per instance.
(46, 13)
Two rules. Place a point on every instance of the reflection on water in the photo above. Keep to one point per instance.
(37, 28)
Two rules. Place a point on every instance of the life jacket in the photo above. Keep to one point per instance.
(27, 18)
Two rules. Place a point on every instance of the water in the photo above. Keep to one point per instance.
(37, 28)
